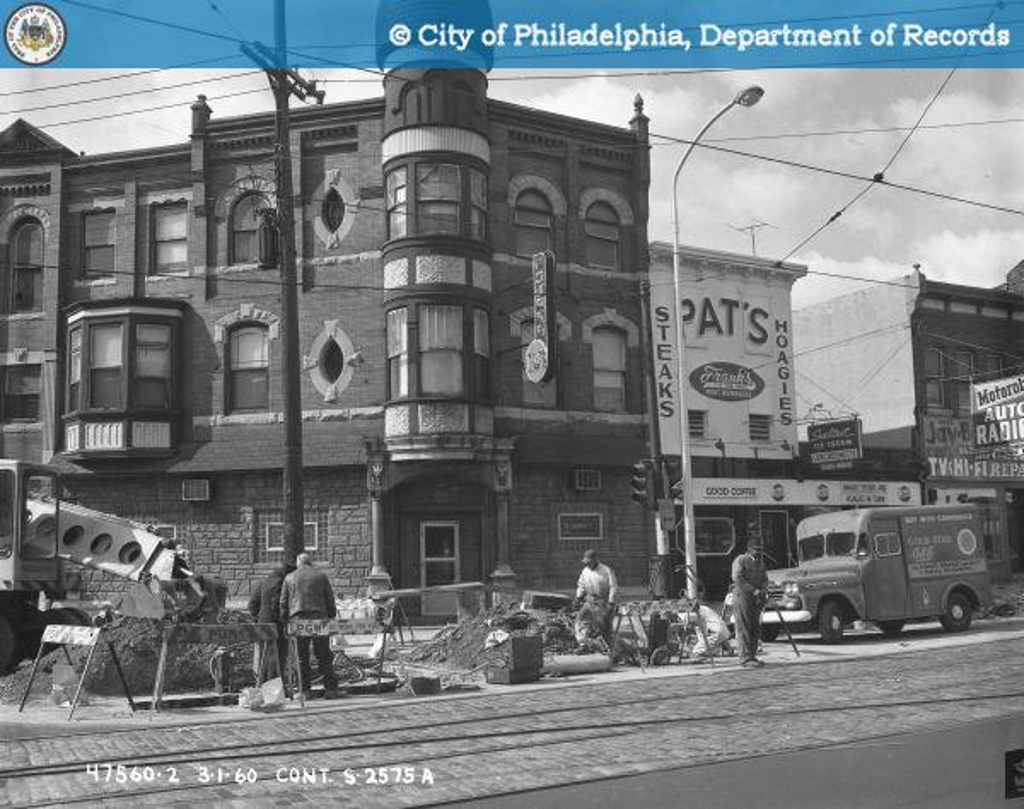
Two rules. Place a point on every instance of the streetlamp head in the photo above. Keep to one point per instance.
(750, 96)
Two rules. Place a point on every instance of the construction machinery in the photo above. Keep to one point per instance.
(43, 541)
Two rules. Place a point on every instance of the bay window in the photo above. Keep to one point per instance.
(423, 197)
(397, 204)
(105, 364)
(481, 353)
(440, 345)
(438, 193)
(398, 353)
(152, 386)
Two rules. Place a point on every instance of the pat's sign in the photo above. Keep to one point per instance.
(539, 355)
(734, 334)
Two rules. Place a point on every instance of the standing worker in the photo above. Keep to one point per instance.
(750, 583)
(265, 608)
(307, 593)
(596, 593)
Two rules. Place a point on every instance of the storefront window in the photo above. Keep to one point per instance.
(716, 536)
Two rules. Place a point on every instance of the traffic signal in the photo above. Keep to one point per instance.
(674, 476)
(641, 484)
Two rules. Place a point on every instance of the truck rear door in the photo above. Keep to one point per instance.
(885, 577)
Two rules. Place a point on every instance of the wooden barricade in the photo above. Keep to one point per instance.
(308, 628)
(64, 635)
(220, 634)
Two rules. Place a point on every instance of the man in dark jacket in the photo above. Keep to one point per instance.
(307, 593)
(750, 591)
(265, 608)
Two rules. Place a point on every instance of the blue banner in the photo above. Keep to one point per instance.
(514, 34)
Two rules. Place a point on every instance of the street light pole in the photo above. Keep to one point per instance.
(745, 98)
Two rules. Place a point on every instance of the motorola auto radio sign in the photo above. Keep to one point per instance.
(997, 417)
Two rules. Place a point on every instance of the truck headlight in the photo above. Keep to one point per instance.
(791, 588)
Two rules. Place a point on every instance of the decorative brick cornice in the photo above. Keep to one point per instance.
(246, 313)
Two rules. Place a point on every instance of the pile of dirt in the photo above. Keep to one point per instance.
(137, 642)
(463, 646)
(1006, 605)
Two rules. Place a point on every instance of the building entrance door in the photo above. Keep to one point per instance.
(774, 528)
(439, 564)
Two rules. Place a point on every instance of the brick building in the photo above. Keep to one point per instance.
(906, 370)
(142, 354)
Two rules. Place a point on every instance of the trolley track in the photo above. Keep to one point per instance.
(486, 730)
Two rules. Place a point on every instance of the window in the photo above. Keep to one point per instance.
(963, 373)
(535, 394)
(27, 267)
(249, 380)
(152, 366)
(74, 370)
(609, 370)
(438, 193)
(21, 393)
(934, 373)
(698, 423)
(715, 536)
(332, 211)
(989, 367)
(477, 204)
(481, 354)
(760, 427)
(245, 229)
(105, 366)
(397, 204)
(98, 258)
(533, 223)
(275, 536)
(601, 229)
(887, 544)
(398, 353)
(170, 237)
(440, 331)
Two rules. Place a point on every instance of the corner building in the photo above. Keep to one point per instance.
(142, 336)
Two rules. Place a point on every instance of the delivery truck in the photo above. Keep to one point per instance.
(884, 565)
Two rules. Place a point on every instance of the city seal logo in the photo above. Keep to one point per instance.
(35, 34)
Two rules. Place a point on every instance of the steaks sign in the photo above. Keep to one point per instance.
(726, 381)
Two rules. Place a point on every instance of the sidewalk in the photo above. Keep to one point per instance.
(42, 717)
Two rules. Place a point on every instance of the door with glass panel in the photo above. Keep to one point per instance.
(439, 564)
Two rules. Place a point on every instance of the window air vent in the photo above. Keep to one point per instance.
(587, 480)
(195, 489)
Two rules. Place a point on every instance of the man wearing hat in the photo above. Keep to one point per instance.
(750, 592)
(596, 592)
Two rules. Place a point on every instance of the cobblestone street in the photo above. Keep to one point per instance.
(511, 740)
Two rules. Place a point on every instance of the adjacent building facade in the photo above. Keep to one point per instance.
(141, 335)
(902, 356)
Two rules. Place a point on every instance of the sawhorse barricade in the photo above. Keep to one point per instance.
(63, 635)
(220, 634)
(308, 628)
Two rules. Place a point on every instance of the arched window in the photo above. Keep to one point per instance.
(601, 228)
(27, 267)
(249, 369)
(609, 369)
(245, 225)
(533, 223)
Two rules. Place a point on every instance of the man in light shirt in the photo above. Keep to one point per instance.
(596, 592)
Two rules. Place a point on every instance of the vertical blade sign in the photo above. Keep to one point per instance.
(540, 352)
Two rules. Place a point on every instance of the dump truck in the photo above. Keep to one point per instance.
(44, 540)
(885, 565)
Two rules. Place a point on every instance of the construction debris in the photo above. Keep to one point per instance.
(137, 642)
(464, 647)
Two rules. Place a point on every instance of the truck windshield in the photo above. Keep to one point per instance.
(831, 543)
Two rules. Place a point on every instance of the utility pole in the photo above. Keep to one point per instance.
(284, 83)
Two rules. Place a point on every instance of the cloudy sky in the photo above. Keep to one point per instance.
(847, 121)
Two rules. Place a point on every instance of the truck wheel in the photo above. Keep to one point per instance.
(10, 654)
(890, 628)
(831, 621)
(770, 632)
(957, 616)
